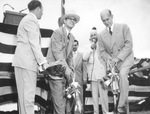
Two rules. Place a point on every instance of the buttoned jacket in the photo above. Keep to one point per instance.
(119, 45)
(61, 47)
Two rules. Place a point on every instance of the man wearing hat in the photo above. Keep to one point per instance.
(61, 49)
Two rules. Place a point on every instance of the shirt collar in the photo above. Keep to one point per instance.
(75, 52)
(67, 30)
(34, 16)
(112, 26)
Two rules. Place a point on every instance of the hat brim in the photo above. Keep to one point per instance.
(69, 15)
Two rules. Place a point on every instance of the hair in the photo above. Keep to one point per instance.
(76, 41)
(33, 4)
(109, 12)
(94, 28)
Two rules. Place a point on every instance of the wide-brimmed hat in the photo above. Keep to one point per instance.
(70, 14)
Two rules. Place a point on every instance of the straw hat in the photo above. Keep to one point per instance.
(70, 14)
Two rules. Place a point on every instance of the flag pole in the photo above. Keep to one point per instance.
(62, 13)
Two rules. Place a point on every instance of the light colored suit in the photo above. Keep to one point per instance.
(27, 58)
(60, 48)
(96, 69)
(118, 45)
(80, 72)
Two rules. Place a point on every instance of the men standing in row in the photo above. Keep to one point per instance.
(61, 49)
(28, 57)
(115, 45)
(96, 69)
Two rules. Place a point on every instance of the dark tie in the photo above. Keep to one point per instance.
(110, 30)
(68, 36)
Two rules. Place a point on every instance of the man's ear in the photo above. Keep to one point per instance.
(64, 21)
(112, 16)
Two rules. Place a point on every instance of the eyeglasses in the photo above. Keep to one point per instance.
(72, 19)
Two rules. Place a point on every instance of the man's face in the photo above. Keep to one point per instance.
(107, 19)
(39, 12)
(75, 46)
(93, 37)
(70, 22)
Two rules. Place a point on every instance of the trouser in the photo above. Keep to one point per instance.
(26, 88)
(124, 87)
(97, 90)
(72, 102)
(58, 95)
(81, 98)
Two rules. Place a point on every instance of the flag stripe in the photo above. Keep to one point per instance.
(7, 82)
(8, 42)
(12, 29)
(8, 98)
(7, 28)
(9, 46)
(46, 33)
(8, 49)
(9, 39)
(6, 58)
(6, 67)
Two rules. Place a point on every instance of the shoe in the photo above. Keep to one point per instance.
(121, 110)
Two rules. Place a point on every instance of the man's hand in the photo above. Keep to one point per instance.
(45, 66)
(115, 61)
(69, 74)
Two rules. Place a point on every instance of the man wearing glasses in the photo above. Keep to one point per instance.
(61, 49)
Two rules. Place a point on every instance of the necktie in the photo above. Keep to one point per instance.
(110, 30)
(74, 57)
(68, 36)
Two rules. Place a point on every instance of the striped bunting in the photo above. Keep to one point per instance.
(8, 44)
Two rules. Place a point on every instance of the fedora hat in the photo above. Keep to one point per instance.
(70, 14)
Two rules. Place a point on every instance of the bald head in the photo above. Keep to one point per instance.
(106, 17)
(105, 12)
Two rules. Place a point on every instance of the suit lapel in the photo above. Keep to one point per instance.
(68, 44)
(107, 36)
(113, 39)
(65, 35)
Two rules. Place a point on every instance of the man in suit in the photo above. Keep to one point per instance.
(28, 57)
(96, 69)
(80, 69)
(61, 49)
(115, 45)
